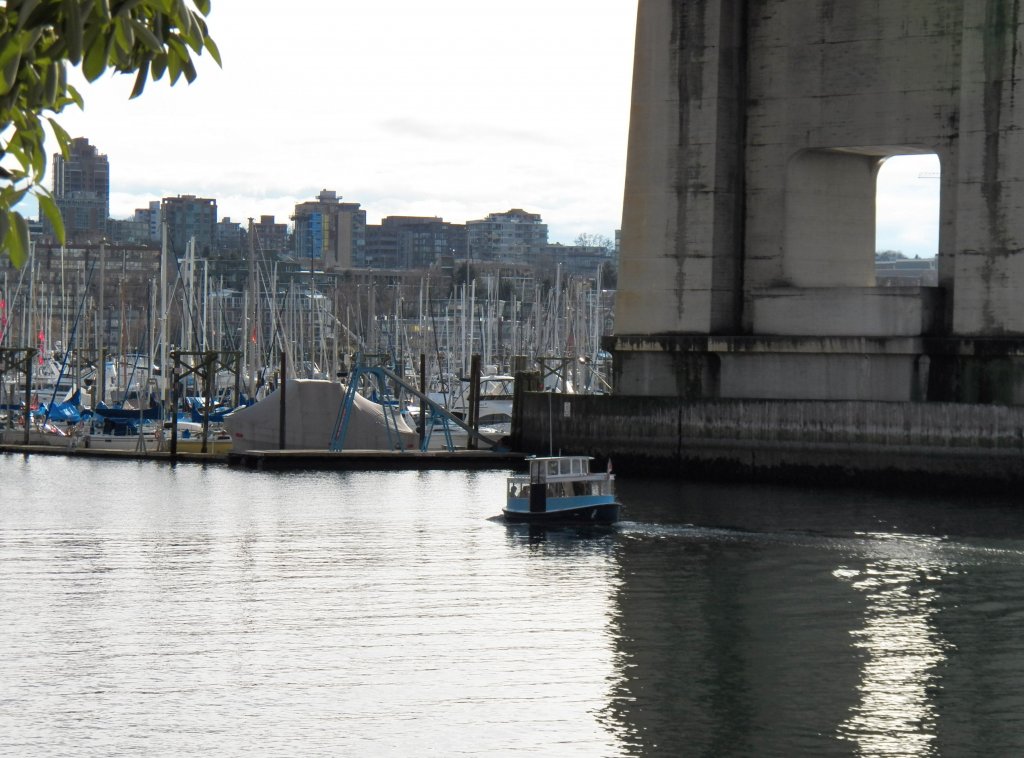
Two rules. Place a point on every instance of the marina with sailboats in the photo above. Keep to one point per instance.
(452, 340)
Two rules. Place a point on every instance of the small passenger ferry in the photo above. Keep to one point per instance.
(562, 489)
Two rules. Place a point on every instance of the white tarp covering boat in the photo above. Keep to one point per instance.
(311, 410)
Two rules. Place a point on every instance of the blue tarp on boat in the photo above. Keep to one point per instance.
(217, 412)
(152, 413)
(68, 412)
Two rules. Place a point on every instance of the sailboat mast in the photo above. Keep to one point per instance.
(204, 334)
(165, 374)
(251, 311)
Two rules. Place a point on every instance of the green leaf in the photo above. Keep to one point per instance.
(49, 207)
(70, 93)
(174, 47)
(73, 30)
(146, 36)
(173, 66)
(10, 59)
(51, 81)
(63, 138)
(159, 66)
(27, 146)
(123, 33)
(189, 70)
(95, 59)
(25, 11)
(15, 150)
(15, 241)
(22, 228)
(184, 18)
(127, 6)
(42, 16)
(4, 226)
(214, 51)
(194, 41)
(17, 196)
(140, 80)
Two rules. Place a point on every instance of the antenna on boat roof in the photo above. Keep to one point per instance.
(551, 443)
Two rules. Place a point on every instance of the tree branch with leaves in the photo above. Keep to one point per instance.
(39, 39)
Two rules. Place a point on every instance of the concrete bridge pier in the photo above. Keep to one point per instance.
(748, 234)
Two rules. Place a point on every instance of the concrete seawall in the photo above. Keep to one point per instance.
(940, 445)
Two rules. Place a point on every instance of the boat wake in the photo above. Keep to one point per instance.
(910, 547)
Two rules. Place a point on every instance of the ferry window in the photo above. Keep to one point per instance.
(553, 467)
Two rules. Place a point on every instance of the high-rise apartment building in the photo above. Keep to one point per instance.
(330, 234)
(412, 242)
(511, 237)
(188, 216)
(81, 189)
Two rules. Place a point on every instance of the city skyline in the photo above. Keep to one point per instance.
(457, 110)
(454, 111)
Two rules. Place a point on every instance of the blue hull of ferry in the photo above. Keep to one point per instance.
(580, 510)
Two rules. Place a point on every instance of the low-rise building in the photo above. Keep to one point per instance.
(579, 260)
(411, 242)
(271, 237)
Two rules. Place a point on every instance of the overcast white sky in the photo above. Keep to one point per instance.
(456, 108)
(908, 206)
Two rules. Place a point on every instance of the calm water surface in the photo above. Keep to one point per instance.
(149, 610)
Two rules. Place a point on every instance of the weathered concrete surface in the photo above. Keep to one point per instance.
(777, 367)
(937, 369)
(846, 311)
(682, 220)
(939, 445)
(756, 134)
(829, 223)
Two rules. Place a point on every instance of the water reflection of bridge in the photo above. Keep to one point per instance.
(794, 642)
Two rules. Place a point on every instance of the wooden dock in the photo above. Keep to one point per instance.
(376, 460)
(123, 455)
(295, 460)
